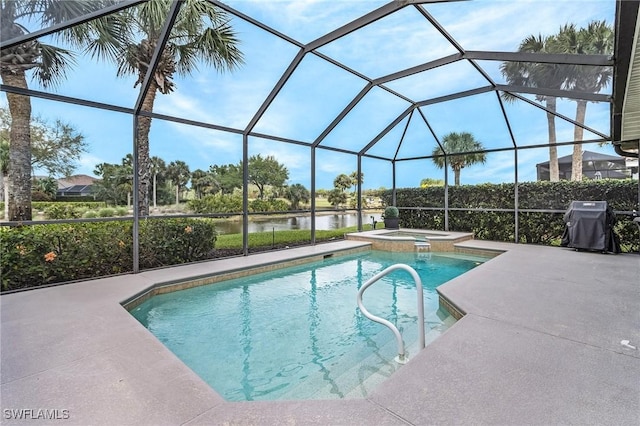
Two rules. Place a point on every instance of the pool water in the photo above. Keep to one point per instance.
(296, 333)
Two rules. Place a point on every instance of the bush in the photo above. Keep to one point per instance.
(40, 196)
(36, 255)
(43, 205)
(220, 203)
(274, 205)
(44, 254)
(90, 214)
(391, 212)
(533, 227)
(173, 241)
(106, 212)
(64, 211)
(121, 211)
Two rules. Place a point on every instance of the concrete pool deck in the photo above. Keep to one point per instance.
(540, 344)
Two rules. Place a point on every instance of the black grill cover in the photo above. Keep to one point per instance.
(589, 226)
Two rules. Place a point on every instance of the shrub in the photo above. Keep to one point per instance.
(90, 214)
(44, 254)
(391, 212)
(121, 211)
(37, 255)
(106, 212)
(40, 196)
(64, 211)
(172, 241)
(220, 203)
(43, 205)
(273, 205)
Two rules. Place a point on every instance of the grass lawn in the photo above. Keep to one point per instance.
(293, 236)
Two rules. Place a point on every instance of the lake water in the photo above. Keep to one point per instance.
(323, 222)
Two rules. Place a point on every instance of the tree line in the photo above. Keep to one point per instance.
(170, 181)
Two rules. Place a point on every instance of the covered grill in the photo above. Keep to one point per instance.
(589, 226)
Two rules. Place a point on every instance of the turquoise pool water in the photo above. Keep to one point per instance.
(297, 333)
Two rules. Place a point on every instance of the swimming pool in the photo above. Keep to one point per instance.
(296, 333)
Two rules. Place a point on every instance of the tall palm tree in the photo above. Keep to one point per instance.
(201, 33)
(158, 167)
(596, 39)
(453, 143)
(201, 183)
(179, 173)
(48, 64)
(550, 76)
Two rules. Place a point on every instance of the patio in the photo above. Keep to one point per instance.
(540, 344)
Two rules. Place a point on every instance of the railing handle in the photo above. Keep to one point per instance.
(401, 358)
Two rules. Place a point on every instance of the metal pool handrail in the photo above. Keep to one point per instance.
(401, 358)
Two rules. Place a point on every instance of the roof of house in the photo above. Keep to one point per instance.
(587, 156)
(70, 181)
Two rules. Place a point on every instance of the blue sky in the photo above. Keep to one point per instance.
(318, 91)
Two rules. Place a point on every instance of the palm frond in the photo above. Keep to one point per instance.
(220, 48)
(53, 12)
(54, 61)
(128, 64)
(151, 16)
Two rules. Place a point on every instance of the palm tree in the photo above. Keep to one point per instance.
(356, 180)
(179, 173)
(596, 39)
(48, 64)
(48, 185)
(463, 143)
(550, 76)
(337, 197)
(202, 183)
(342, 182)
(158, 167)
(297, 194)
(201, 34)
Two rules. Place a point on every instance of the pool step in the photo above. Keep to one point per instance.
(333, 369)
(354, 382)
(354, 379)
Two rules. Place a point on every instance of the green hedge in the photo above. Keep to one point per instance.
(81, 203)
(222, 203)
(533, 227)
(61, 209)
(45, 254)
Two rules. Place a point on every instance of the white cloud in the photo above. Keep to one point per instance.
(87, 164)
(306, 20)
(502, 25)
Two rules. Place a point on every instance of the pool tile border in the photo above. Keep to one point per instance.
(240, 272)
